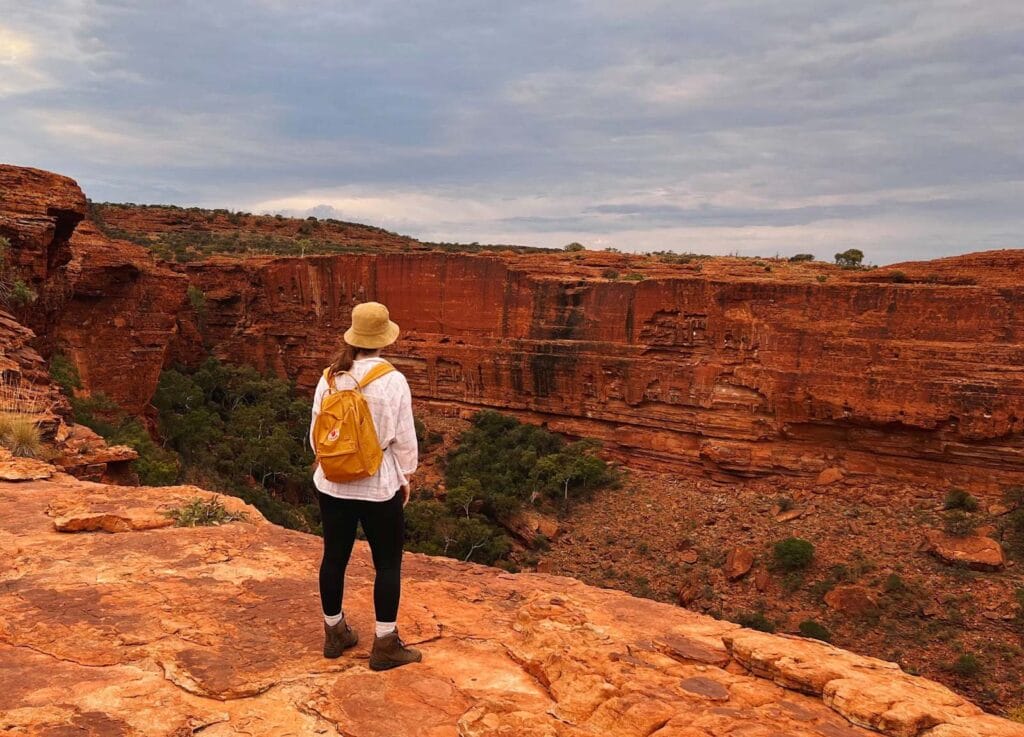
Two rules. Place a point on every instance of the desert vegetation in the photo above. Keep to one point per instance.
(21, 407)
(15, 293)
(499, 468)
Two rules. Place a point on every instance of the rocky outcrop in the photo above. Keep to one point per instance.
(131, 627)
(24, 379)
(105, 303)
(38, 213)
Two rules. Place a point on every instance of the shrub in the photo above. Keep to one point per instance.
(959, 524)
(610, 274)
(633, 276)
(575, 247)
(821, 278)
(898, 277)
(793, 554)
(894, 585)
(967, 665)
(20, 294)
(1016, 714)
(755, 621)
(431, 529)
(784, 503)
(1013, 523)
(960, 499)
(20, 434)
(813, 630)
(64, 373)
(498, 466)
(801, 257)
(197, 298)
(201, 512)
(850, 258)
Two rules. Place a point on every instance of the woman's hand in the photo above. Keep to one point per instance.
(405, 493)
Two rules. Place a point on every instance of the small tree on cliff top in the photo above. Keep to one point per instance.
(850, 258)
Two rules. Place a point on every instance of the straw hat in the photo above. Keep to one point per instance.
(371, 326)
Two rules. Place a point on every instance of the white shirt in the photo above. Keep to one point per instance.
(390, 403)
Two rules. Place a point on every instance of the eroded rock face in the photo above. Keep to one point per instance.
(105, 303)
(38, 213)
(161, 631)
(710, 371)
(716, 366)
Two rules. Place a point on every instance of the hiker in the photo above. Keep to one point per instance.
(362, 476)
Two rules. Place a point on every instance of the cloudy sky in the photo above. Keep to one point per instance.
(749, 126)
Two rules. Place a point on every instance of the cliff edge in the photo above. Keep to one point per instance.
(116, 623)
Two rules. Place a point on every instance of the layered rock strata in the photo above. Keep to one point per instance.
(725, 366)
(739, 373)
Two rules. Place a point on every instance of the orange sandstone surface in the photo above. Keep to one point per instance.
(113, 622)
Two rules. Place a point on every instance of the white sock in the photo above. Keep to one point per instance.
(385, 628)
(333, 620)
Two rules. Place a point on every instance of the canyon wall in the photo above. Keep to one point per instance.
(106, 304)
(725, 366)
(726, 372)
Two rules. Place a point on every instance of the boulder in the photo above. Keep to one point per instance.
(852, 600)
(975, 551)
(829, 476)
(738, 563)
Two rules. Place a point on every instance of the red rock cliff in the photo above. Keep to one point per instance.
(727, 369)
(724, 365)
(105, 303)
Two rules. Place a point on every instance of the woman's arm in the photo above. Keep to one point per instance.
(404, 446)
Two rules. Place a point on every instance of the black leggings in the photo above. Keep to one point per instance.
(384, 525)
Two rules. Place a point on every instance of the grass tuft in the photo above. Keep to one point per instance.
(204, 513)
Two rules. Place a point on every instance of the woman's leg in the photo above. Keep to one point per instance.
(384, 525)
(339, 522)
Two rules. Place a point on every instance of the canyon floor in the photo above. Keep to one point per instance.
(667, 537)
(115, 623)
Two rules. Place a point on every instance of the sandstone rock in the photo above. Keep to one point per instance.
(544, 336)
(853, 600)
(22, 469)
(529, 524)
(689, 556)
(829, 476)
(789, 515)
(998, 509)
(762, 579)
(869, 692)
(89, 283)
(977, 552)
(738, 563)
(168, 631)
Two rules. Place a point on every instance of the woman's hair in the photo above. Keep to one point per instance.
(343, 360)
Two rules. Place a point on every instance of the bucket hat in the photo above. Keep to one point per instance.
(371, 326)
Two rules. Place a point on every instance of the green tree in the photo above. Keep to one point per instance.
(850, 258)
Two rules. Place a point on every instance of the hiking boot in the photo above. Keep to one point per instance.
(338, 639)
(390, 652)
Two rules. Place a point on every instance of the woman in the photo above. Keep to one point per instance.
(377, 501)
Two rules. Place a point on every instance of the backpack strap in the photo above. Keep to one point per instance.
(375, 373)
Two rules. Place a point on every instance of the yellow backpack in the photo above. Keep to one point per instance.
(344, 438)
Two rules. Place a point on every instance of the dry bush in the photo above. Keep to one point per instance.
(21, 408)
